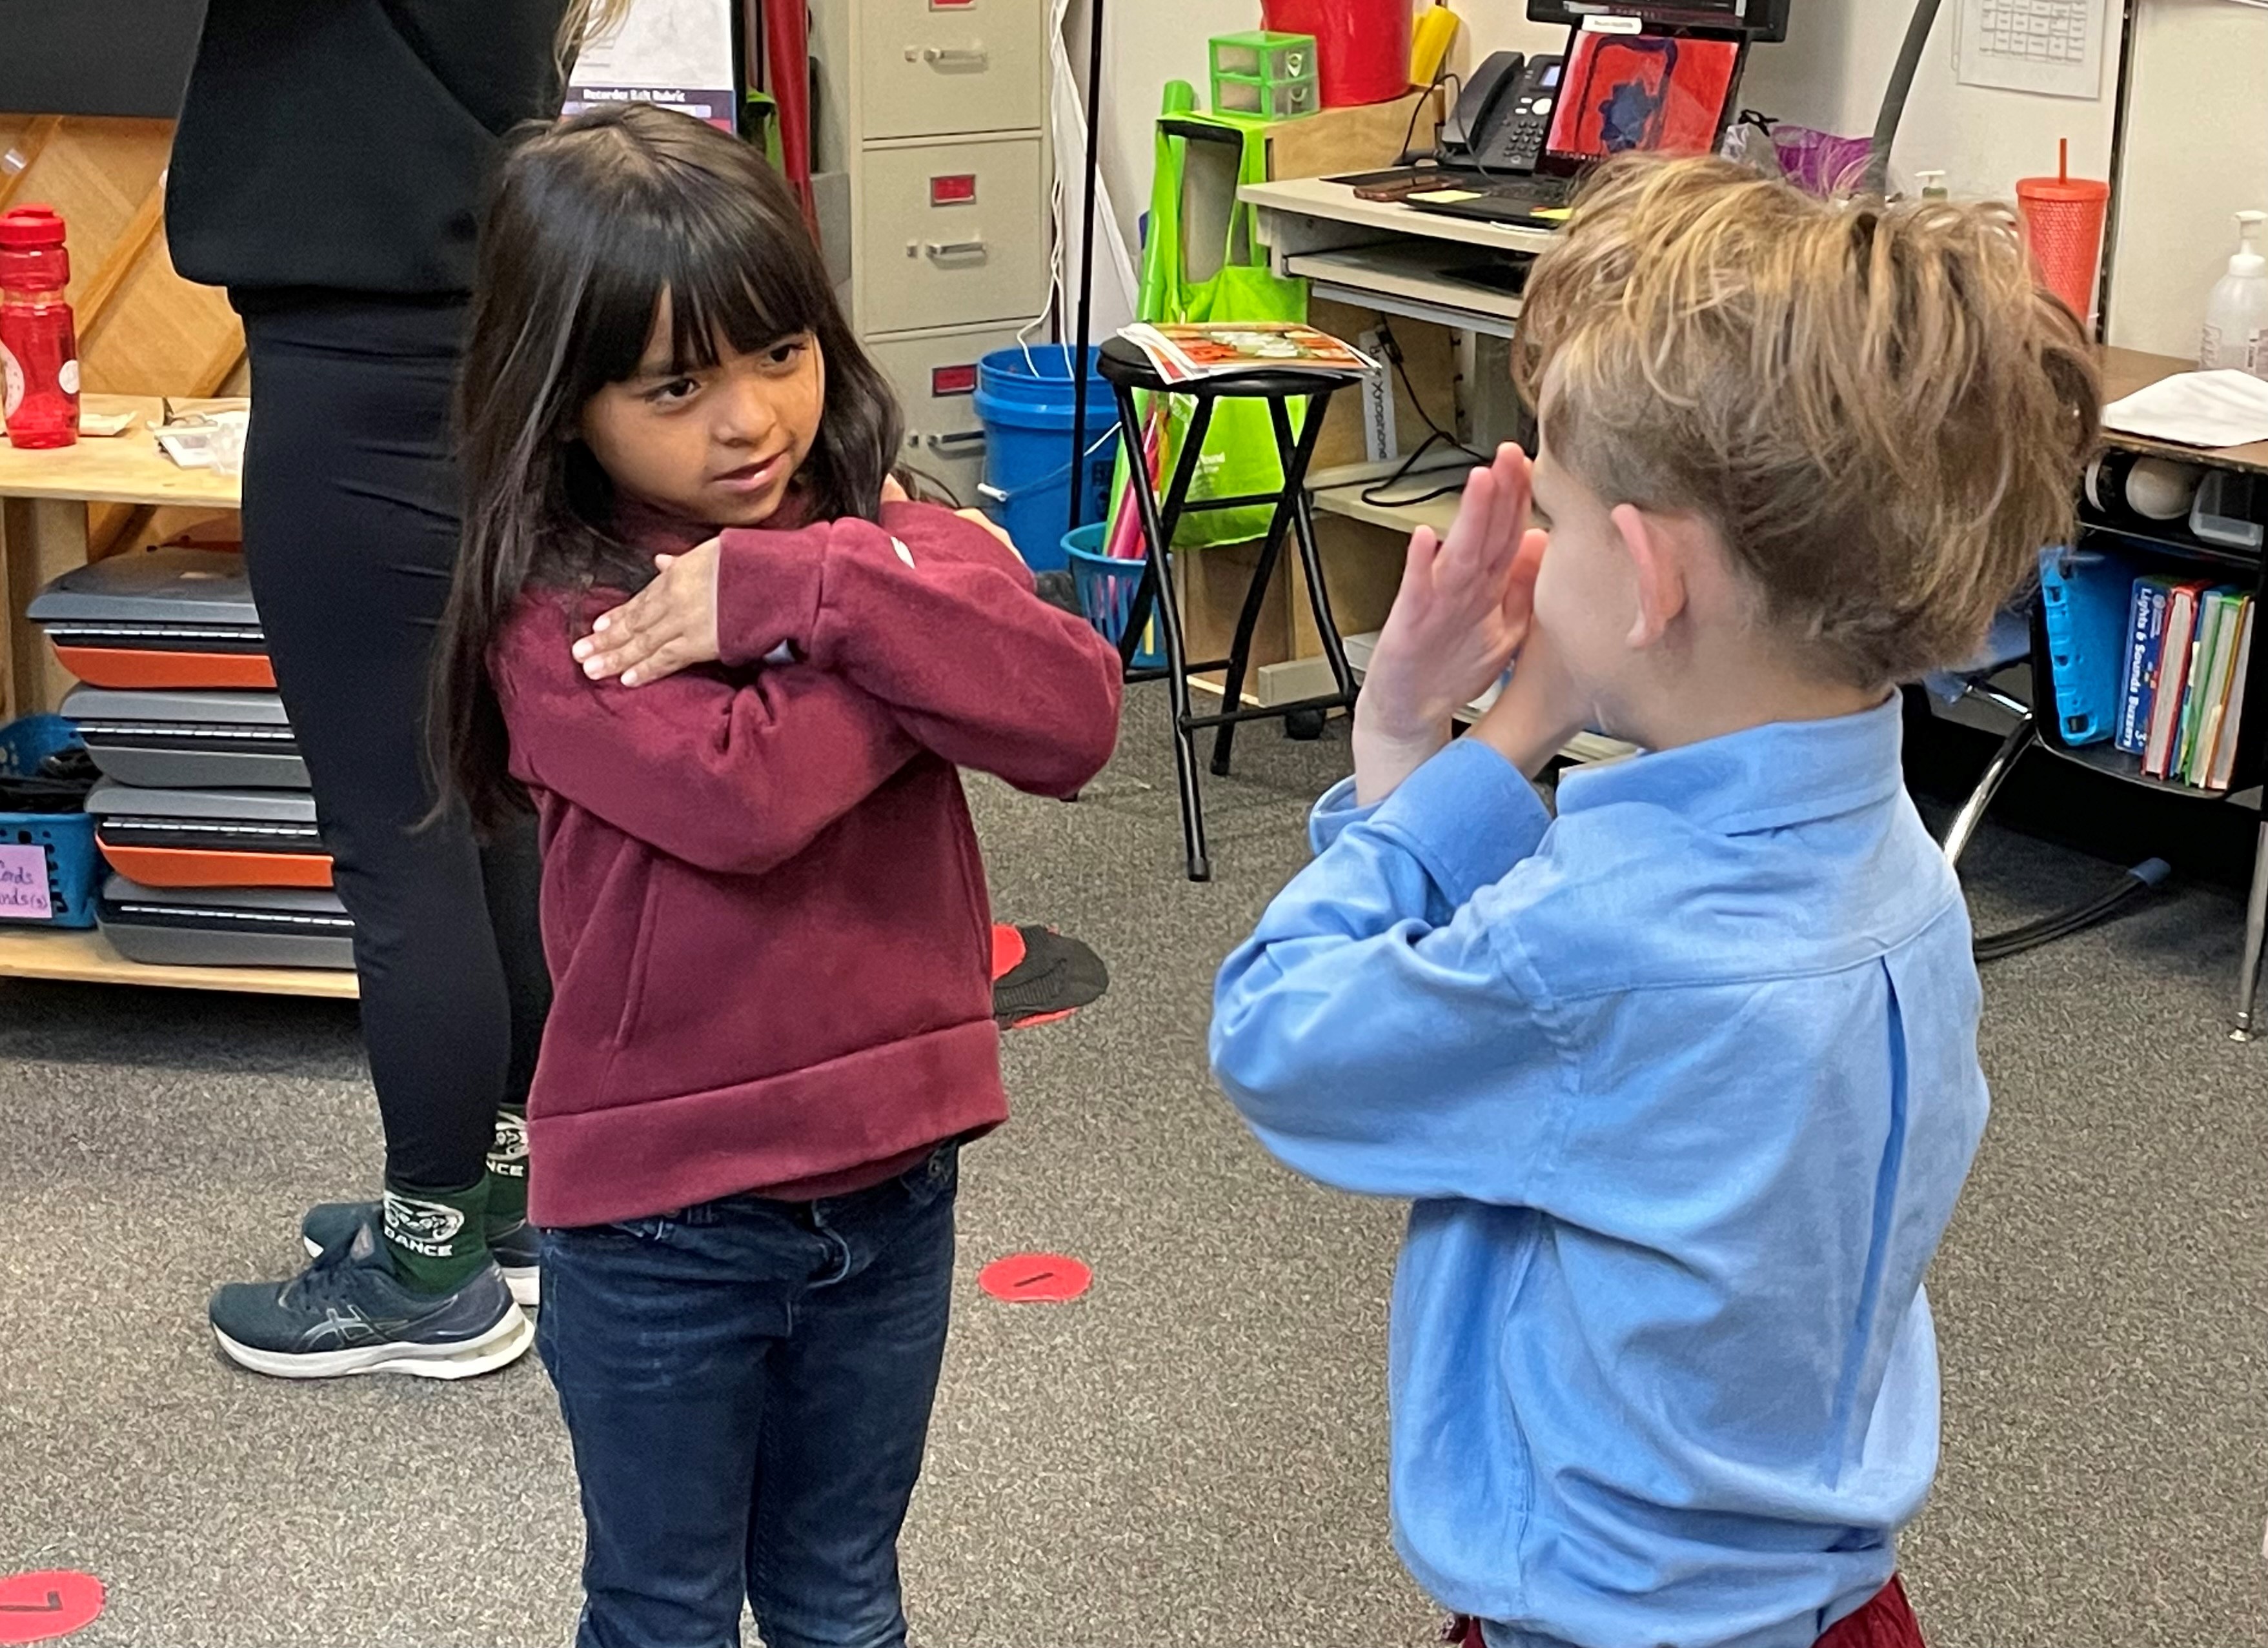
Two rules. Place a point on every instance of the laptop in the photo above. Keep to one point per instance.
(1648, 90)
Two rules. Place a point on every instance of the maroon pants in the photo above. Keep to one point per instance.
(1886, 1621)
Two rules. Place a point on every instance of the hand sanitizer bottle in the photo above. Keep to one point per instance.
(2236, 315)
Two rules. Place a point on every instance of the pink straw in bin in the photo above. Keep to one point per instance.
(1125, 538)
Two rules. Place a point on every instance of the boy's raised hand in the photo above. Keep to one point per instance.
(669, 625)
(1462, 613)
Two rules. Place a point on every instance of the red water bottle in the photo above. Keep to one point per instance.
(39, 345)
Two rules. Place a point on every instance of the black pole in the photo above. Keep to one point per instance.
(1078, 365)
(1877, 178)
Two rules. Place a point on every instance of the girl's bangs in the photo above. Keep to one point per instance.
(720, 281)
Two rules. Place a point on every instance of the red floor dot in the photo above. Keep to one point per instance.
(41, 1606)
(1036, 1279)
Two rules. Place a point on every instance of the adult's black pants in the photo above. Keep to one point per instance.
(350, 535)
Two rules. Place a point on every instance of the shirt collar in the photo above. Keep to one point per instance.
(635, 521)
(1761, 779)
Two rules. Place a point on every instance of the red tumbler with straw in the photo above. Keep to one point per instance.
(2063, 219)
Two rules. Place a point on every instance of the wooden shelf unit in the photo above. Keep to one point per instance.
(62, 957)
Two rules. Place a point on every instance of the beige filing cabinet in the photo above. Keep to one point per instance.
(931, 134)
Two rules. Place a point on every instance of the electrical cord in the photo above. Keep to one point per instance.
(1441, 76)
(1436, 435)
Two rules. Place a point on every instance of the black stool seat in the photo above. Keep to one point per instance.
(1129, 371)
(1122, 364)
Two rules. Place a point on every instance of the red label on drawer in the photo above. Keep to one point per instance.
(952, 380)
(951, 5)
(959, 189)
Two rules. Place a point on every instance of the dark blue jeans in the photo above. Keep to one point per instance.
(747, 1386)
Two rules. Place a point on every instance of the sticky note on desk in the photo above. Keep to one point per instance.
(24, 894)
(1447, 195)
(1553, 214)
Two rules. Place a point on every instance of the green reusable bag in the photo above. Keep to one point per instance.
(1239, 458)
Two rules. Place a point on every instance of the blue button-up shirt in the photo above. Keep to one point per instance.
(1683, 1085)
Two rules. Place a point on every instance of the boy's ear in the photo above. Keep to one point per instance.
(1659, 572)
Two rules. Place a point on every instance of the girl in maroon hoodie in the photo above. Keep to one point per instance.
(762, 903)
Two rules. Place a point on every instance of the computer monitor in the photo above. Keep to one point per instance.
(1752, 19)
(1653, 93)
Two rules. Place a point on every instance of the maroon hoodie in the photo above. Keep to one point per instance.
(763, 903)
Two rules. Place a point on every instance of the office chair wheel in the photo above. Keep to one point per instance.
(1305, 725)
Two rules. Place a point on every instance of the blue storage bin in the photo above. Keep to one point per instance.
(74, 867)
(1026, 402)
(1107, 586)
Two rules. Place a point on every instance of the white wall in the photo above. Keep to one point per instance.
(2196, 144)
(1146, 43)
(2197, 151)
(1829, 73)
(1832, 71)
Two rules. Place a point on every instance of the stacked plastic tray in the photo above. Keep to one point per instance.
(204, 816)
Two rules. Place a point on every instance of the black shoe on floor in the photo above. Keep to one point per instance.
(347, 1312)
(513, 1246)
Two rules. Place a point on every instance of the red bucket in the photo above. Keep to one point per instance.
(1362, 47)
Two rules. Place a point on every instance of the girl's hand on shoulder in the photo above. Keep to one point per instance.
(668, 626)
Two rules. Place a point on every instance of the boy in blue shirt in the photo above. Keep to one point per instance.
(1683, 1083)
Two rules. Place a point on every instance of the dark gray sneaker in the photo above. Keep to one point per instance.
(347, 1312)
(513, 1246)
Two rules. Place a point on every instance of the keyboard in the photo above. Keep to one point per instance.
(1510, 201)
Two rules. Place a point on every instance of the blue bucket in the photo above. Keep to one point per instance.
(1026, 407)
(1107, 585)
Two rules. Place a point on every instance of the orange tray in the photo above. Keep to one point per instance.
(168, 672)
(187, 867)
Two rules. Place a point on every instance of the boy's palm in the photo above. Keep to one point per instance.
(1463, 607)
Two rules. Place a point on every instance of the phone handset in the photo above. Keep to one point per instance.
(1514, 140)
(1477, 103)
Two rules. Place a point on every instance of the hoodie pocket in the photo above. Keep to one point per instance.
(634, 982)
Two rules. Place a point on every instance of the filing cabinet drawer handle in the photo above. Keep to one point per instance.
(955, 249)
(955, 57)
(958, 444)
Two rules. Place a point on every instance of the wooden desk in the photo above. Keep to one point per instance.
(43, 499)
(2126, 371)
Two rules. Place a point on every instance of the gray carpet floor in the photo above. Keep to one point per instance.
(1195, 1453)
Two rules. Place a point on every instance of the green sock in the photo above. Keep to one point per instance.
(508, 1169)
(437, 1238)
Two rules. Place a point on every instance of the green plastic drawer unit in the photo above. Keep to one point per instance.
(1262, 55)
(1271, 99)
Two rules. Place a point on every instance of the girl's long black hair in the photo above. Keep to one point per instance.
(593, 220)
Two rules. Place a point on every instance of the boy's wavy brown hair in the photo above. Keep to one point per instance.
(1878, 407)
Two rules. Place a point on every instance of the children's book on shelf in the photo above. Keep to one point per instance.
(2188, 650)
(1185, 351)
(2177, 657)
(2222, 768)
(2146, 632)
(2225, 613)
